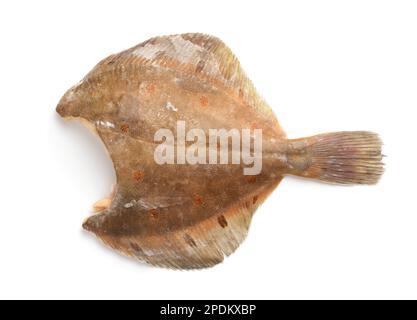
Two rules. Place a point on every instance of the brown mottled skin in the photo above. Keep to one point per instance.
(180, 215)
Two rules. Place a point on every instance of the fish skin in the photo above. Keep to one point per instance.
(182, 216)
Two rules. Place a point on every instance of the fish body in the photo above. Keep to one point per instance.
(190, 212)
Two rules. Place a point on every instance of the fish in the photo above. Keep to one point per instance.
(182, 200)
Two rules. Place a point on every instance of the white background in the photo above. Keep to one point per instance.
(322, 66)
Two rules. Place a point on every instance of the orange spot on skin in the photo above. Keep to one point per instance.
(204, 101)
(124, 128)
(254, 126)
(218, 145)
(255, 199)
(151, 88)
(198, 200)
(137, 175)
(250, 179)
(153, 213)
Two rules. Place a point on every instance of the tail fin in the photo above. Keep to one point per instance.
(339, 157)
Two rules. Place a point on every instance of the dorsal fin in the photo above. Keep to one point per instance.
(200, 246)
(200, 55)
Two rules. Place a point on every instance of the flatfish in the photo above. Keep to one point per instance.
(196, 150)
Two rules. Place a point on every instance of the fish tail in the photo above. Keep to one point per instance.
(340, 157)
